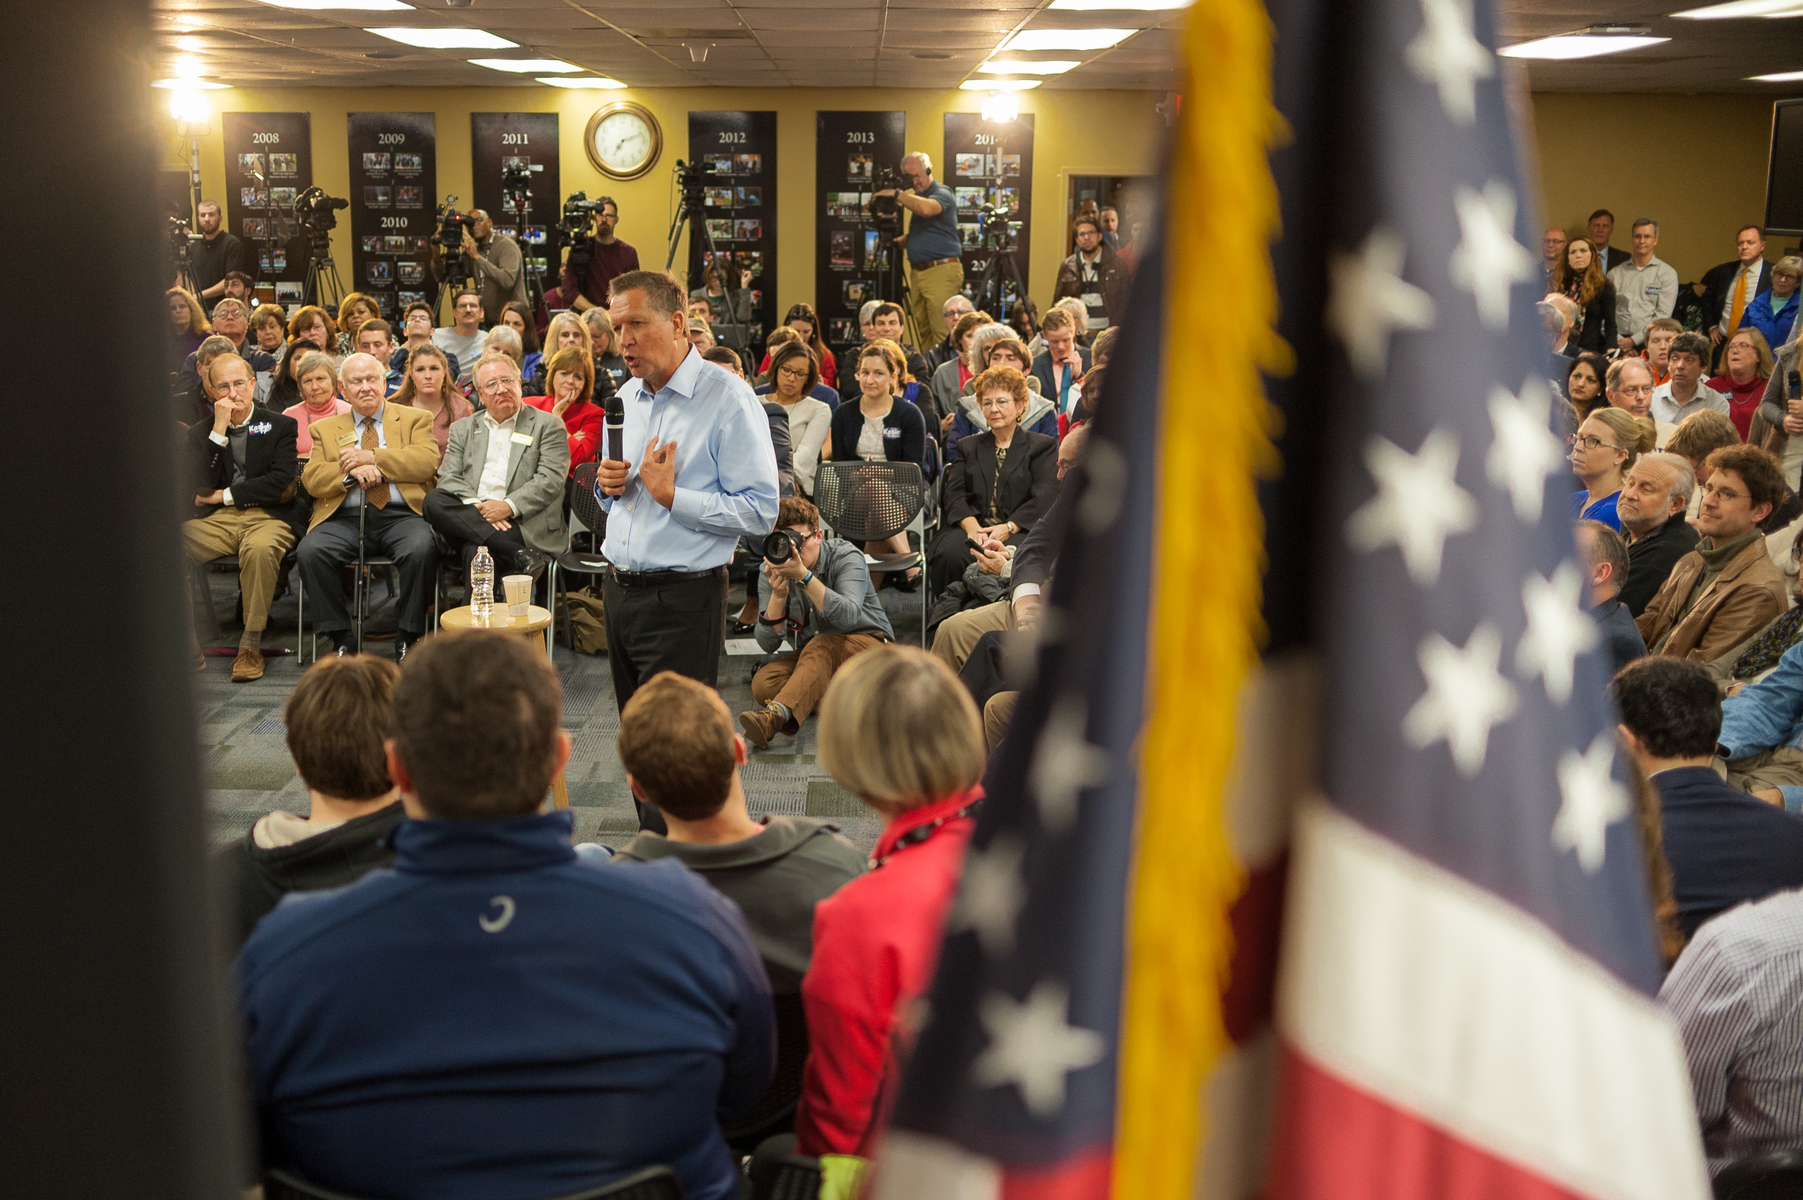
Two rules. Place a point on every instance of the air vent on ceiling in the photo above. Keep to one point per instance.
(930, 54)
(713, 35)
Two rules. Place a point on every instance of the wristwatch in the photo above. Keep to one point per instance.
(807, 579)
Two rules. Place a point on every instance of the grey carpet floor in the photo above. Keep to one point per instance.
(249, 772)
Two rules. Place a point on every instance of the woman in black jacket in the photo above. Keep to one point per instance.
(1001, 483)
(880, 427)
(1580, 276)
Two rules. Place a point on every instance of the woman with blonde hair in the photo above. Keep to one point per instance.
(566, 329)
(1608, 443)
(900, 732)
(188, 322)
(605, 348)
(1580, 278)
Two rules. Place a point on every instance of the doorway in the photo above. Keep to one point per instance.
(1128, 195)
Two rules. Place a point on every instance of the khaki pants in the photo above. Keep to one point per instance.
(259, 538)
(1782, 767)
(996, 715)
(957, 635)
(797, 681)
(928, 291)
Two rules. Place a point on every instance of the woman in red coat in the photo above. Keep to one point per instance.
(901, 733)
(570, 380)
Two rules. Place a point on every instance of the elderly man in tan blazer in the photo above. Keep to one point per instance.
(1728, 588)
(382, 455)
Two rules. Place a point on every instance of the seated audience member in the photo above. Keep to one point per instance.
(194, 403)
(726, 360)
(608, 362)
(517, 316)
(353, 310)
(189, 324)
(566, 331)
(231, 321)
(886, 322)
(1659, 335)
(847, 370)
(779, 338)
(375, 337)
(1583, 384)
(1726, 589)
(283, 392)
(681, 755)
(950, 313)
(397, 1047)
(898, 731)
(1746, 365)
(312, 323)
(1772, 313)
(429, 385)
(1725, 847)
(954, 371)
(501, 483)
(317, 379)
(1655, 495)
(1581, 278)
(571, 384)
(269, 329)
(463, 336)
(417, 328)
(821, 598)
(1779, 413)
(245, 472)
(1042, 416)
(880, 427)
(338, 717)
(386, 450)
(1603, 449)
(1001, 482)
(1023, 319)
(700, 335)
(1606, 562)
(1701, 434)
(1762, 731)
(1560, 326)
(1684, 391)
(1629, 385)
(1736, 995)
(1063, 362)
(503, 340)
(794, 374)
(804, 324)
(236, 285)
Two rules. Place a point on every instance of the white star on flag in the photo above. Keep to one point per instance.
(1417, 506)
(1465, 697)
(1593, 801)
(1369, 300)
(992, 894)
(1032, 1046)
(1488, 261)
(1445, 54)
(1558, 629)
(1525, 451)
(1064, 764)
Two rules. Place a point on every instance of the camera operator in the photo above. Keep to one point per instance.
(935, 262)
(216, 255)
(463, 336)
(608, 257)
(817, 591)
(496, 261)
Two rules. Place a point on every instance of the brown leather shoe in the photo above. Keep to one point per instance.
(247, 666)
(760, 725)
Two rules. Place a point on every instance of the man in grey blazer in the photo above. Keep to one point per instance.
(501, 482)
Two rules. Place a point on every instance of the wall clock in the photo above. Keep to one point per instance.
(623, 140)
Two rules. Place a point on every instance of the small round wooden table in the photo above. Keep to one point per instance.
(536, 621)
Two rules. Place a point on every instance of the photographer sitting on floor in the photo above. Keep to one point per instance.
(819, 593)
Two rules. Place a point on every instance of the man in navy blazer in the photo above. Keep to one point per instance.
(495, 1018)
(1724, 846)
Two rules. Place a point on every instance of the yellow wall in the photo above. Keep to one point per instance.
(1075, 132)
(1695, 164)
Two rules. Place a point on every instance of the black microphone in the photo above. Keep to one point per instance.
(1795, 379)
(616, 428)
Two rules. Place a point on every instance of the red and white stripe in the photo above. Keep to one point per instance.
(1440, 1042)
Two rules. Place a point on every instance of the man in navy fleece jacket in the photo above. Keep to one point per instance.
(492, 1017)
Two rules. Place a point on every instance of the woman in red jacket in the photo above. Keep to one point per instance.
(570, 380)
(901, 733)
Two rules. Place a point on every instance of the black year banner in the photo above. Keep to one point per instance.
(990, 164)
(394, 184)
(850, 150)
(524, 206)
(738, 152)
(268, 162)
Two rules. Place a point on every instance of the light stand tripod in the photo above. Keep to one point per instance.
(1001, 273)
(516, 198)
(179, 241)
(322, 286)
(692, 211)
(888, 274)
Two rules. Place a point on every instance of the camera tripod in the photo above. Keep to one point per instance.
(516, 198)
(999, 272)
(889, 278)
(692, 211)
(455, 279)
(322, 286)
(183, 261)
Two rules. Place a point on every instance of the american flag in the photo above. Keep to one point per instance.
(1463, 995)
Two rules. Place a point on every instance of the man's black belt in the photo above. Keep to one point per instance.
(662, 578)
(937, 262)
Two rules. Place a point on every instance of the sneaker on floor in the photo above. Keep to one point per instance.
(760, 725)
(247, 666)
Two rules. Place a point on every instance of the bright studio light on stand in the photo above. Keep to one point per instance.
(1001, 107)
(191, 111)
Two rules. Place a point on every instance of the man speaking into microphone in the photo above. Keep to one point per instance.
(697, 473)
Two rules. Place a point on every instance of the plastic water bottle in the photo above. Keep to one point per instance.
(482, 584)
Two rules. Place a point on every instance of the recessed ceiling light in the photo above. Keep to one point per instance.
(446, 39)
(1583, 44)
(187, 83)
(1049, 66)
(589, 81)
(357, 5)
(999, 85)
(1141, 5)
(525, 66)
(1066, 39)
(1744, 8)
(1780, 77)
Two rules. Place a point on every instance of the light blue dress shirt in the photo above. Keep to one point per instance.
(725, 472)
(354, 498)
(1768, 715)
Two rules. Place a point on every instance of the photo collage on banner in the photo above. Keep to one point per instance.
(268, 162)
(394, 183)
(990, 163)
(738, 150)
(851, 149)
(501, 144)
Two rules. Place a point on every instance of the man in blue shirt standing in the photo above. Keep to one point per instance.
(699, 472)
(472, 1024)
(935, 262)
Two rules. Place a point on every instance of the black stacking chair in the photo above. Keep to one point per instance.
(1774, 1175)
(653, 1183)
(869, 501)
(587, 509)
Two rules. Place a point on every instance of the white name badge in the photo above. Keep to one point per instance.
(524, 439)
